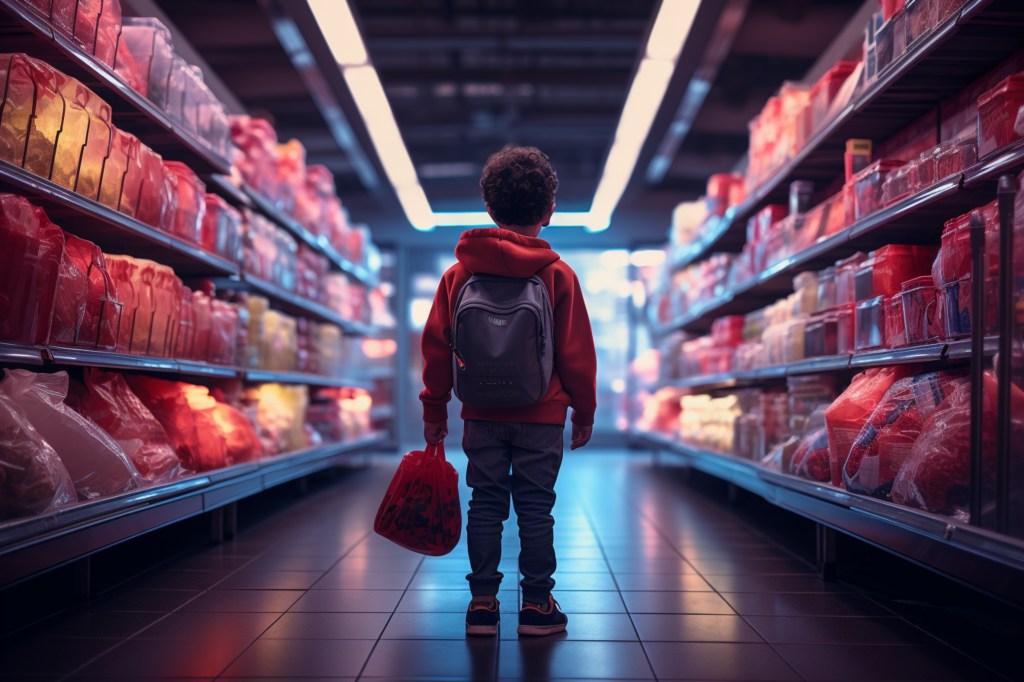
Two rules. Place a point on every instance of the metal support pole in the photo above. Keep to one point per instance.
(826, 541)
(978, 268)
(1007, 194)
(231, 520)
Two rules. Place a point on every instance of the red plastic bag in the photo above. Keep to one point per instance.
(185, 412)
(421, 510)
(110, 403)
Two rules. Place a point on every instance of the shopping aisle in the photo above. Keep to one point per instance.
(660, 580)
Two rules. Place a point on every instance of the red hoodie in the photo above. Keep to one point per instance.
(495, 251)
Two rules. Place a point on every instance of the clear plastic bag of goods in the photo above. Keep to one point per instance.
(850, 411)
(33, 479)
(110, 402)
(197, 444)
(86, 310)
(886, 439)
(811, 459)
(97, 464)
(240, 439)
(936, 474)
(29, 266)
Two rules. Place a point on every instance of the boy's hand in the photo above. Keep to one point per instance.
(434, 432)
(580, 436)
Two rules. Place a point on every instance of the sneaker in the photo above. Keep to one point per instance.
(482, 619)
(537, 620)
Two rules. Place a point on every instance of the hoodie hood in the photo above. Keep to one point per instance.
(494, 251)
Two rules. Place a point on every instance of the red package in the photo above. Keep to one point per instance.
(186, 413)
(811, 457)
(134, 177)
(108, 31)
(936, 473)
(115, 168)
(111, 403)
(87, 19)
(420, 510)
(86, 310)
(998, 110)
(240, 439)
(887, 437)
(191, 201)
(29, 267)
(145, 54)
(222, 228)
(850, 411)
(33, 479)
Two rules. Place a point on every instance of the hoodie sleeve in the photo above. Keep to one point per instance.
(575, 357)
(437, 358)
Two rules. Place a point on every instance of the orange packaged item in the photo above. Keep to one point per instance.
(157, 199)
(32, 113)
(123, 271)
(240, 440)
(184, 338)
(851, 410)
(30, 261)
(108, 32)
(110, 402)
(134, 177)
(420, 510)
(165, 301)
(115, 168)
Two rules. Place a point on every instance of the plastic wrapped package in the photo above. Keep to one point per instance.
(187, 414)
(84, 140)
(899, 184)
(191, 202)
(29, 268)
(895, 333)
(223, 332)
(108, 32)
(33, 479)
(955, 302)
(32, 113)
(281, 414)
(144, 54)
(115, 168)
(936, 474)
(846, 416)
(821, 335)
(222, 228)
(886, 438)
(998, 110)
(202, 326)
(122, 270)
(86, 311)
(143, 275)
(157, 201)
(71, 143)
(62, 16)
(97, 464)
(917, 298)
(134, 177)
(289, 174)
(256, 144)
(846, 271)
(87, 19)
(184, 340)
(166, 308)
(240, 439)
(94, 157)
(954, 157)
(867, 187)
(885, 269)
(110, 402)
(825, 90)
(811, 458)
(827, 288)
(728, 330)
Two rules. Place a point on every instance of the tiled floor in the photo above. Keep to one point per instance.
(659, 581)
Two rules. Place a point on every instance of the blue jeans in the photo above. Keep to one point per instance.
(520, 461)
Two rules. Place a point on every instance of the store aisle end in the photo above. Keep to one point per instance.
(660, 579)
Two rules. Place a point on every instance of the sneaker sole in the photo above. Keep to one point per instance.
(541, 630)
(482, 630)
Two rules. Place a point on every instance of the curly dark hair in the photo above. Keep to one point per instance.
(518, 185)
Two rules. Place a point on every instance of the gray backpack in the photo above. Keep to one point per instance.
(501, 341)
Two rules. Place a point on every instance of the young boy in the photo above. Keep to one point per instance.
(518, 187)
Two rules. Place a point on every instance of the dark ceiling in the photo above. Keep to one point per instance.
(465, 77)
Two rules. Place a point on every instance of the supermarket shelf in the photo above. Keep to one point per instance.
(338, 262)
(114, 232)
(81, 357)
(955, 54)
(221, 185)
(294, 304)
(268, 376)
(912, 221)
(17, 354)
(40, 543)
(25, 31)
(929, 353)
(992, 562)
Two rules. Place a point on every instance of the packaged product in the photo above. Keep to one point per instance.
(29, 265)
(190, 204)
(86, 311)
(936, 473)
(846, 416)
(110, 402)
(144, 56)
(998, 110)
(108, 32)
(186, 413)
(885, 440)
(811, 459)
(240, 439)
(222, 228)
(33, 479)
(32, 113)
(97, 464)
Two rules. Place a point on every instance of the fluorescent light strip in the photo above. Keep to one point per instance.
(668, 35)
